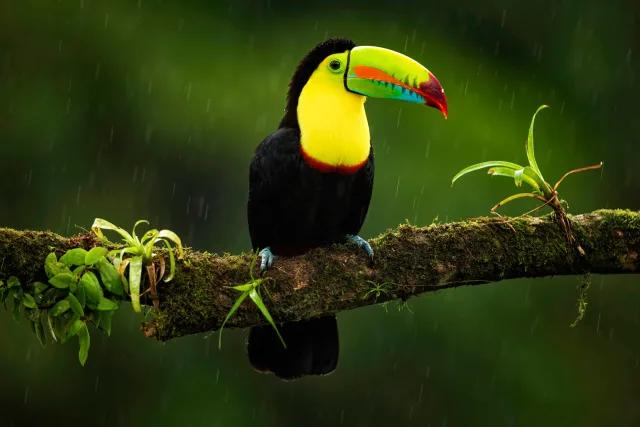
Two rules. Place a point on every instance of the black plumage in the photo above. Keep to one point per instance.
(294, 207)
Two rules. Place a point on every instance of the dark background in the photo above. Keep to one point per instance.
(152, 109)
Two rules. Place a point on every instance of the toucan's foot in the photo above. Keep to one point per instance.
(362, 244)
(267, 258)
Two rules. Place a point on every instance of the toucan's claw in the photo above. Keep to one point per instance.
(267, 258)
(362, 244)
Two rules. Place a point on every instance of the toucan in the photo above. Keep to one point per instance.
(310, 181)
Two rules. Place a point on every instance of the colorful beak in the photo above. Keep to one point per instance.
(382, 73)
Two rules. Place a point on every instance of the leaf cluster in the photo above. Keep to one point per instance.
(82, 288)
(138, 255)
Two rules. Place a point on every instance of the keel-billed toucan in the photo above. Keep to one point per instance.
(311, 180)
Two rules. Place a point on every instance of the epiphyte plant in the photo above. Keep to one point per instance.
(250, 289)
(531, 175)
(84, 287)
(141, 255)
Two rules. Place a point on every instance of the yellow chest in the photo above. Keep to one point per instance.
(334, 131)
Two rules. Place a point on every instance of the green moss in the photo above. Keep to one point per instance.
(620, 219)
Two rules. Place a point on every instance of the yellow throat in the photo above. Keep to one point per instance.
(334, 131)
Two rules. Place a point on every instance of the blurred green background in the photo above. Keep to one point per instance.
(152, 109)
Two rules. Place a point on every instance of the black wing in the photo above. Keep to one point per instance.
(360, 198)
(273, 171)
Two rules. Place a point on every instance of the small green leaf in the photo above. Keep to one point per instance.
(109, 276)
(85, 341)
(60, 307)
(170, 235)
(81, 296)
(484, 165)
(75, 305)
(13, 282)
(29, 301)
(104, 321)
(106, 304)
(140, 221)
(172, 262)
(92, 288)
(75, 327)
(147, 249)
(512, 198)
(135, 277)
(498, 171)
(74, 256)
(231, 312)
(51, 265)
(530, 149)
(101, 224)
(149, 236)
(50, 327)
(246, 287)
(257, 300)
(39, 287)
(137, 250)
(62, 280)
(95, 254)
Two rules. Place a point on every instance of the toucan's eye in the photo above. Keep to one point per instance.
(334, 65)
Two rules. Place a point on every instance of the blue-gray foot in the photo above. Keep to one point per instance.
(267, 258)
(361, 243)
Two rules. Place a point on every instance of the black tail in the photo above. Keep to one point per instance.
(312, 348)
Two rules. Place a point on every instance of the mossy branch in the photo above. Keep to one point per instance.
(408, 261)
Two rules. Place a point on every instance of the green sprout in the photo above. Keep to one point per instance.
(141, 256)
(250, 289)
(377, 290)
(539, 188)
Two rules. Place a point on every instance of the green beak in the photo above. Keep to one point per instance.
(382, 73)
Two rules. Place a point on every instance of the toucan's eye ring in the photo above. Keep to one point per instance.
(335, 65)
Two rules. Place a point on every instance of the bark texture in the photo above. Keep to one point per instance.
(408, 261)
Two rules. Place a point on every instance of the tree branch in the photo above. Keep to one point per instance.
(408, 261)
